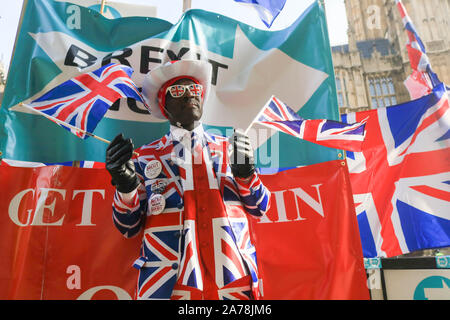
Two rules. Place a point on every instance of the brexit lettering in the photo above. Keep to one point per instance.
(36, 207)
(82, 58)
(290, 205)
(142, 59)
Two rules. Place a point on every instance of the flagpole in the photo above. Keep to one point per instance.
(323, 5)
(65, 124)
(186, 5)
(102, 7)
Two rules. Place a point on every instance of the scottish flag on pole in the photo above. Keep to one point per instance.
(268, 10)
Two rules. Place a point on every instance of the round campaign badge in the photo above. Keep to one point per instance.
(153, 169)
(158, 186)
(157, 203)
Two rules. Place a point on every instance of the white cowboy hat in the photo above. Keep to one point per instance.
(157, 77)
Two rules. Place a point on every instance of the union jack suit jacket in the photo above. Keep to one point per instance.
(166, 236)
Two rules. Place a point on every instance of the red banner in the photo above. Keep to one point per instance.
(309, 245)
(58, 241)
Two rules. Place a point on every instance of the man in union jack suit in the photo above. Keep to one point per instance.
(192, 203)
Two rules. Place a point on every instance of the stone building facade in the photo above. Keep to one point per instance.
(371, 68)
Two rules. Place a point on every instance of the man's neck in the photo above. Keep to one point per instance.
(188, 127)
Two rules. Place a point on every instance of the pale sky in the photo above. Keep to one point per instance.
(170, 10)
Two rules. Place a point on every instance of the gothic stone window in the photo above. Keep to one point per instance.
(341, 92)
(382, 92)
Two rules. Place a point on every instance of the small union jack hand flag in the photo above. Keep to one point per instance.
(79, 104)
(328, 133)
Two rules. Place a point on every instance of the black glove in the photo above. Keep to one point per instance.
(242, 161)
(120, 166)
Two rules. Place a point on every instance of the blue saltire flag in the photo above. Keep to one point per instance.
(268, 10)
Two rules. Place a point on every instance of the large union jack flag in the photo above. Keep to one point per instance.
(328, 133)
(401, 179)
(422, 79)
(83, 101)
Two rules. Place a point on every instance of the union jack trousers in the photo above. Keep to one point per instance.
(199, 246)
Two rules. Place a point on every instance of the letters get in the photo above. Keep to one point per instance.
(44, 211)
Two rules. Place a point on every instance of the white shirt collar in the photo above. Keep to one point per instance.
(179, 133)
